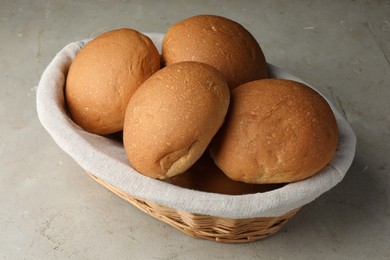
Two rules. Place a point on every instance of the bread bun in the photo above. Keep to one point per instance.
(219, 42)
(276, 131)
(204, 175)
(105, 74)
(172, 117)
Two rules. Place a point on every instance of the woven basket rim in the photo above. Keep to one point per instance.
(93, 153)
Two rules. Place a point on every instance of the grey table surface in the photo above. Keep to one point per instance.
(50, 209)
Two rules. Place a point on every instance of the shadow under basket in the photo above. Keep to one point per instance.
(219, 229)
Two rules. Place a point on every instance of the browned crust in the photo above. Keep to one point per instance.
(105, 74)
(276, 131)
(219, 42)
(173, 116)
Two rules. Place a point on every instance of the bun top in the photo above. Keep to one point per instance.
(276, 131)
(105, 74)
(172, 117)
(219, 42)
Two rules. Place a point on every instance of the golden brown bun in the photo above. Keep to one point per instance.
(204, 175)
(219, 42)
(172, 117)
(276, 131)
(105, 74)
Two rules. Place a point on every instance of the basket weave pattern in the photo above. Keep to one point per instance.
(219, 229)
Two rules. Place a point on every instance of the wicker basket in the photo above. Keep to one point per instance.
(219, 229)
(229, 219)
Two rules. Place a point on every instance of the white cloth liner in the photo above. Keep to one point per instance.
(107, 160)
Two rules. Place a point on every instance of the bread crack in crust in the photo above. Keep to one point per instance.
(172, 118)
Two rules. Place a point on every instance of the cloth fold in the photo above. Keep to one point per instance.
(106, 158)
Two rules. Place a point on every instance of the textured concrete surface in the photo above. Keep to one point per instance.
(51, 210)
